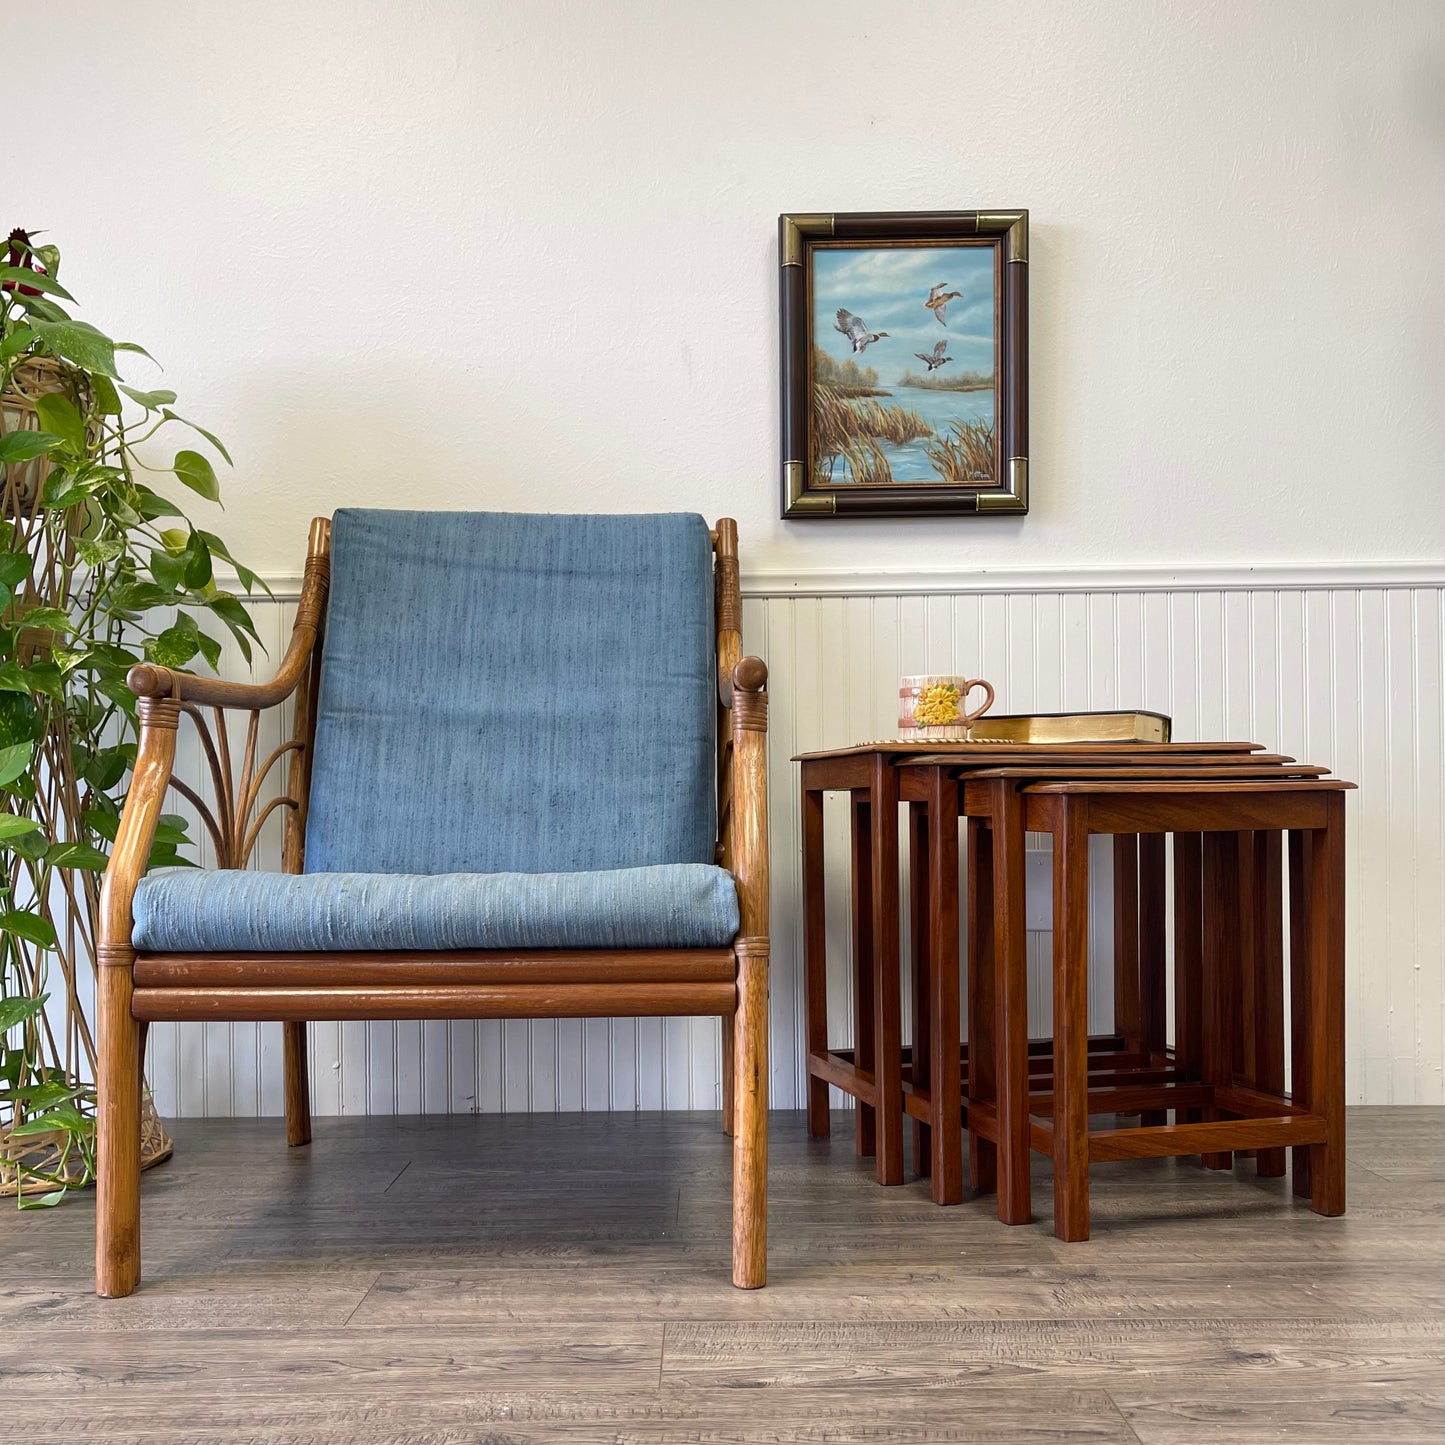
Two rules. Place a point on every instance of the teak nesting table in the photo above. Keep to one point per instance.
(1228, 806)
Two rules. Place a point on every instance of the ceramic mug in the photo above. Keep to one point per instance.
(934, 705)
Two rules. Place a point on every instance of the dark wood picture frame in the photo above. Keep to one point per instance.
(1005, 493)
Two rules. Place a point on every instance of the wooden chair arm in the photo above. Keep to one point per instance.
(148, 679)
(155, 758)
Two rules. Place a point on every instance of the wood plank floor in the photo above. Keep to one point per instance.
(565, 1278)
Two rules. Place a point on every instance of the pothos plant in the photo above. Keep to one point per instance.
(99, 568)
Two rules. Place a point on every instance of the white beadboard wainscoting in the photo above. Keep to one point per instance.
(1341, 666)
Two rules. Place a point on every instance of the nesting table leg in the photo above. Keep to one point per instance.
(920, 887)
(815, 959)
(1071, 1020)
(1188, 961)
(1326, 1034)
(864, 1059)
(1221, 933)
(982, 993)
(1301, 888)
(1268, 1001)
(1011, 1004)
(1152, 957)
(1126, 941)
(944, 1074)
(887, 1002)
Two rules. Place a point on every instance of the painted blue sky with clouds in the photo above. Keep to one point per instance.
(887, 288)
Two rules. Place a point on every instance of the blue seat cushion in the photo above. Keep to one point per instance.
(515, 693)
(678, 905)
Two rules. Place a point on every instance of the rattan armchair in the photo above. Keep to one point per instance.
(659, 901)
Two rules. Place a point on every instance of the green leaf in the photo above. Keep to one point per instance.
(64, 489)
(210, 650)
(107, 403)
(197, 558)
(211, 437)
(39, 1097)
(172, 830)
(80, 342)
(152, 505)
(249, 580)
(23, 276)
(104, 825)
(29, 926)
(21, 446)
(58, 415)
(16, 342)
(236, 618)
(14, 569)
(45, 677)
(41, 308)
(31, 846)
(16, 1010)
(151, 400)
(229, 609)
(66, 1117)
(139, 350)
(198, 474)
(12, 678)
(164, 855)
(42, 1201)
(51, 618)
(107, 767)
(12, 826)
(20, 720)
(168, 568)
(76, 855)
(99, 551)
(115, 689)
(139, 597)
(176, 646)
(14, 760)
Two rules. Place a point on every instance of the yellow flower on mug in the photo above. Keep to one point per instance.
(937, 705)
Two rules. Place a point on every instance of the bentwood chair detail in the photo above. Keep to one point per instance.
(526, 780)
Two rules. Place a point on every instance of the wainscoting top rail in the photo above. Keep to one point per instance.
(1200, 577)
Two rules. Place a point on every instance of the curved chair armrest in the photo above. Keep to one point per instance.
(148, 679)
(155, 758)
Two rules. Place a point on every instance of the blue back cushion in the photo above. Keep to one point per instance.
(508, 692)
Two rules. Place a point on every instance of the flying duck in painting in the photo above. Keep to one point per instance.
(854, 328)
(938, 300)
(937, 359)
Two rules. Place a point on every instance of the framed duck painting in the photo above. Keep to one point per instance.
(904, 363)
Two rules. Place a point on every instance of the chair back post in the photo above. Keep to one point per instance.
(728, 614)
(310, 614)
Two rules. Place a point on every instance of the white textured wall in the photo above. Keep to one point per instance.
(521, 255)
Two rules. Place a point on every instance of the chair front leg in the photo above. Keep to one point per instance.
(748, 703)
(118, 1096)
(118, 1045)
(750, 1116)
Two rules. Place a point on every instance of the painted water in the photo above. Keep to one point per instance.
(909, 460)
